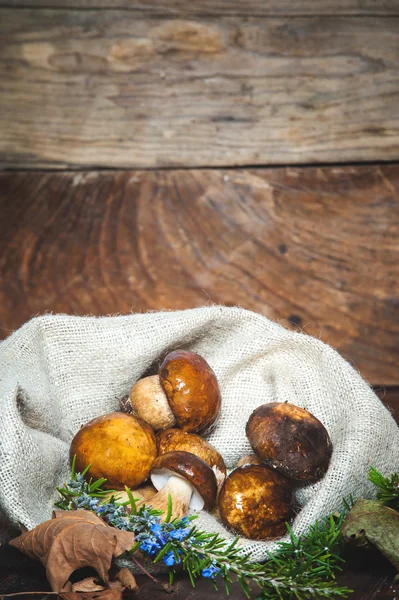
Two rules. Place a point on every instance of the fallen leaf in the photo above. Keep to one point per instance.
(126, 577)
(72, 540)
(89, 584)
(113, 592)
(370, 523)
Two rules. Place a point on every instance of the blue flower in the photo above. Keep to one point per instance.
(156, 529)
(210, 572)
(102, 509)
(150, 545)
(169, 559)
(160, 535)
(179, 534)
(143, 521)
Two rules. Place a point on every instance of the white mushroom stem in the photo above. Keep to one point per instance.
(183, 494)
(149, 402)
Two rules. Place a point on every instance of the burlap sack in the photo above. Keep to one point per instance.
(58, 372)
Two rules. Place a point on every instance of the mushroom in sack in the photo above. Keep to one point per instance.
(121, 448)
(256, 502)
(185, 392)
(176, 439)
(188, 480)
(291, 440)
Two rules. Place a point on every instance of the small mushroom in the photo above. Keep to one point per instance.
(256, 502)
(119, 447)
(290, 439)
(176, 439)
(249, 459)
(185, 392)
(189, 481)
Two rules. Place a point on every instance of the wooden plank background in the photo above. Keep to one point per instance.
(315, 249)
(116, 88)
(227, 7)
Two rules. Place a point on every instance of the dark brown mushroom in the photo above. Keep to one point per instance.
(185, 392)
(291, 440)
(176, 439)
(256, 502)
(189, 481)
(119, 447)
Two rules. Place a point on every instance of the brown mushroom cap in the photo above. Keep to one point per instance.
(119, 447)
(176, 439)
(290, 439)
(192, 469)
(192, 390)
(256, 502)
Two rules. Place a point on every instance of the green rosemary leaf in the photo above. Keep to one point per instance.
(73, 465)
(387, 487)
(98, 484)
(169, 512)
(84, 472)
(132, 501)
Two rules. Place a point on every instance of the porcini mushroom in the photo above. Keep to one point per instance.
(119, 447)
(256, 502)
(189, 481)
(290, 439)
(176, 439)
(185, 392)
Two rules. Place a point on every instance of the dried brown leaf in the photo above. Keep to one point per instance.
(113, 592)
(72, 540)
(126, 577)
(89, 584)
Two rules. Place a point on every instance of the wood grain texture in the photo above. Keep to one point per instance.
(121, 89)
(314, 248)
(226, 7)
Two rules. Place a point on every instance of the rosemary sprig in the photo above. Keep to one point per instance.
(301, 568)
(388, 487)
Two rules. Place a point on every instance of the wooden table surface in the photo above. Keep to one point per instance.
(168, 154)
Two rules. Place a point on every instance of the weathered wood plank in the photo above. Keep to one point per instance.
(118, 89)
(317, 248)
(226, 7)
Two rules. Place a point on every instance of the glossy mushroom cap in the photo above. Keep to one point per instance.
(119, 447)
(176, 439)
(191, 468)
(192, 390)
(291, 440)
(256, 502)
